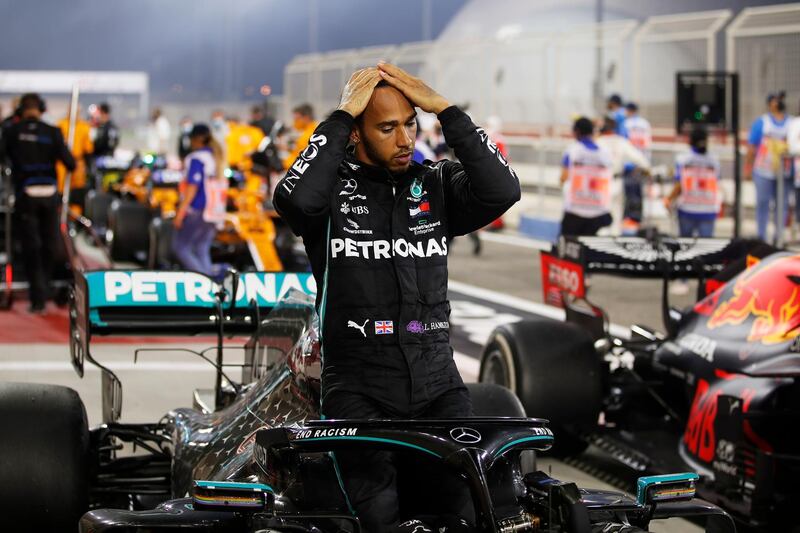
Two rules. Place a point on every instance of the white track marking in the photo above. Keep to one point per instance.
(515, 240)
(468, 366)
(523, 305)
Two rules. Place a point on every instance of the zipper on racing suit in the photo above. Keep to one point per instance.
(393, 181)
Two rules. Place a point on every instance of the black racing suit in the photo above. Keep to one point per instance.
(32, 148)
(106, 139)
(378, 249)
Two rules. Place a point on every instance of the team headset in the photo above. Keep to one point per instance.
(40, 103)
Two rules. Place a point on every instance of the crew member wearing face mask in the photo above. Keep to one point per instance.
(765, 151)
(305, 125)
(696, 189)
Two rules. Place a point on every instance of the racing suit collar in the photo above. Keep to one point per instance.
(381, 174)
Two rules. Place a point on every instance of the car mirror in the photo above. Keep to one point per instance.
(233, 497)
(651, 490)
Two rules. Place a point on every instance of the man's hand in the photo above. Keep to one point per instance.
(358, 91)
(413, 88)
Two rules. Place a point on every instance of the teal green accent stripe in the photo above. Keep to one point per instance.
(94, 318)
(341, 483)
(376, 439)
(524, 439)
(234, 485)
(687, 476)
(324, 301)
(322, 305)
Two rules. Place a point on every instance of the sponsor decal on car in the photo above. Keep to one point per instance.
(118, 288)
(560, 275)
(769, 293)
(700, 345)
(326, 432)
(464, 435)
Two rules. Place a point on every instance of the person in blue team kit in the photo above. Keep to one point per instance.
(615, 111)
(696, 188)
(765, 151)
(194, 226)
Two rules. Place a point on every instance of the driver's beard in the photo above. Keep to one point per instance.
(377, 160)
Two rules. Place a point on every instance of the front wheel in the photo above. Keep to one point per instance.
(43, 458)
(554, 370)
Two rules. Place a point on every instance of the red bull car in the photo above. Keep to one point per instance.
(718, 394)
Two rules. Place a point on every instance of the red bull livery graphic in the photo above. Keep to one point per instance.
(769, 292)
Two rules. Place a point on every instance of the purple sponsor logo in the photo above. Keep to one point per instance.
(415, 326)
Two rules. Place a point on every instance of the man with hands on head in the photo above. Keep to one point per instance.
(375, 226)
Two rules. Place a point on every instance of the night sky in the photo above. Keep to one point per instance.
(210, 49)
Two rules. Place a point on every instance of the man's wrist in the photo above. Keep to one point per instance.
(440, 106)
(347, 110)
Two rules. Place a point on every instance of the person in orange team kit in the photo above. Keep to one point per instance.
(305, 125)
(82, 147)
(241, 140)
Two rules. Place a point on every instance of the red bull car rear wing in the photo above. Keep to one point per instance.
(650, 258)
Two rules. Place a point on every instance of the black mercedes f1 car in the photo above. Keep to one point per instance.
(718, 394)
(251, 455)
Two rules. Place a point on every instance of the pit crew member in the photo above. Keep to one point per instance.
(586, 177)
(33, 148)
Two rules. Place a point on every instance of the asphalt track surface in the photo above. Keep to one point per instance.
(499, 286)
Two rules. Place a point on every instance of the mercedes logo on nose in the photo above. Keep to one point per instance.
(465, 435)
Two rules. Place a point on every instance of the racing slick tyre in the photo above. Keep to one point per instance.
(43, 458)
(489, 399)
(128, 237)
(553, 368)
(96, 210)
(159, 255)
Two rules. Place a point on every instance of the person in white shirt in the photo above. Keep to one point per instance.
(793, 139)
(766, 148)
(158, 132)
(586, 177)
(638, 130)
(696, 189)
(626, 158)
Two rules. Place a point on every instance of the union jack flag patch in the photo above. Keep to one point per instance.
(384, 327)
